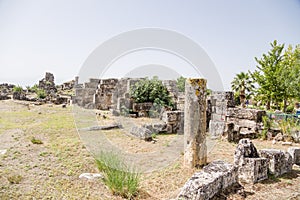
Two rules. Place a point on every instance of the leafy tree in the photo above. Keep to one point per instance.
(289, 72)
(243, 85)
(267, 75)
(181, 84)
(151, 90)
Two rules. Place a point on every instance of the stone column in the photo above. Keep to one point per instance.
(76, 81)
(195, 153)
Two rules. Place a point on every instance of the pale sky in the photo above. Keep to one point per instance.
(37, 36)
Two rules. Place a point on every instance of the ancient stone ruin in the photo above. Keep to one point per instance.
(233, 122)
(114, 95)
(195, 150)
(250, 166)
(48, 84)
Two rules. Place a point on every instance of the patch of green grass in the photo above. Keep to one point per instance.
(121, 179)
(36, 141)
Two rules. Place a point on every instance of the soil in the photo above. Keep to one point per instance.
(51, 170)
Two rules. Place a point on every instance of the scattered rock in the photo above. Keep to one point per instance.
(287, 143)
(91, 176)
(106, 127)
(141, 132)
(3, 151)
(278, 137)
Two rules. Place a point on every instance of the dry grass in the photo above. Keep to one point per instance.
(51, 170)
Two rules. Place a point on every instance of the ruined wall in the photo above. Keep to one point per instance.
(219, 102)
(233, 122)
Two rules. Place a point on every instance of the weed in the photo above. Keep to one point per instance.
(153, 135)
(121, 179)
(15, 179)
(36, 141)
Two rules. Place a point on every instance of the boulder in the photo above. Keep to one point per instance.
(141, 132)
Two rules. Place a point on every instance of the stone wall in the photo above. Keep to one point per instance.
(218, 104)
(233, 122)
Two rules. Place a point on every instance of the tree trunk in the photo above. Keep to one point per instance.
(284, 105)
(242, 99)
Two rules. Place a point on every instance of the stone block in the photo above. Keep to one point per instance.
(279, 162)
(142, 106)
(295, 153)
(245, 149)
(217, 117)
(141, 132)
(214, 178)
(244, 113)
(216, 128)
(253, 170)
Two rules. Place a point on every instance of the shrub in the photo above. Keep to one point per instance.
(121, 179)
(17, 89)
(181, 84)
(151, 90)
(41, 94)
(267, 125)
(36, 141)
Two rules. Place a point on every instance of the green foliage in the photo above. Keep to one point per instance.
(287, 125)
(267, 125)
(181, 84)
(278, 75)
(17, 89)
(36, 141)
(290, 108)
(243, 85)
(41, 94)
(34, 88)
(151, 90)
(121, 179)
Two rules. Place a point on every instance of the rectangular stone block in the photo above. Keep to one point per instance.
(295, 153)
(279, 162)
(216, 128)
(214, 178)
(253, 170)
(137, 107)
(217, 117)
(244, 113)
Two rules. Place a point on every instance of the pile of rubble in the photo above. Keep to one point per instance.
(250, 166)
(46, 86)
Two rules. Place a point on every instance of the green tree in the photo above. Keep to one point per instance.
(243, 85)
(267, 75)
(151, 90)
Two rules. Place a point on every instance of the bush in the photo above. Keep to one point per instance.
(290, 109)
(17, 89)
(41, 94)
(121, 179)
(151, 90)
(181, 84)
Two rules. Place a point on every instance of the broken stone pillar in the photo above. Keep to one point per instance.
(195, 153)
(76, 81)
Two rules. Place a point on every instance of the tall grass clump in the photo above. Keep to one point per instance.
(121, 179)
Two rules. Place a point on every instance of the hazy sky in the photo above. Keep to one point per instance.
(59, 35)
